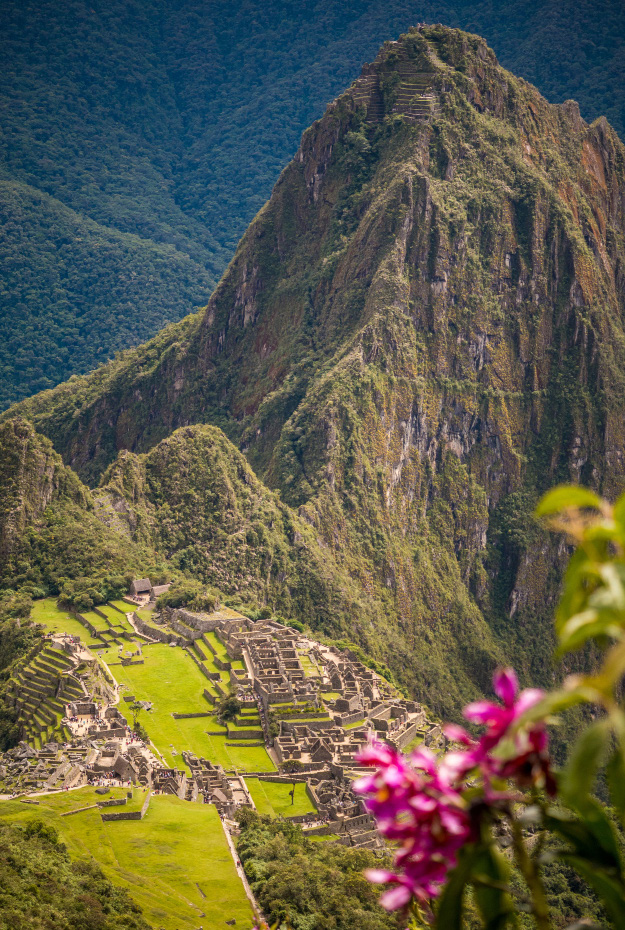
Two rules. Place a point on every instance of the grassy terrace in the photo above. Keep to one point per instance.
(115, 618)
(275, 799)
(123, 606)
(309, 667)
(60, 621)
(95, 620)
(161, 860)
(218, 646)
(146, 614)
(112, 654)
(172, 681)
(330, 695)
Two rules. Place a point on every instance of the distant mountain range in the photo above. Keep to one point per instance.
(138, 141)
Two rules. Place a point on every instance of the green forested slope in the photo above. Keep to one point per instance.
(157, 131)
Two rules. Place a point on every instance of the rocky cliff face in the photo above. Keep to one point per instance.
(421, 331)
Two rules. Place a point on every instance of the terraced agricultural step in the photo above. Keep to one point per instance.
(38, 724)
(46, 666)
(32, 694)
(46, 688)
(72, 689)
(49, 717)
(42, 680)
(59, 659)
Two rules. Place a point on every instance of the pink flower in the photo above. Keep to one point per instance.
(530, 764)
(415, 803)
(418, 801)
(496, 718)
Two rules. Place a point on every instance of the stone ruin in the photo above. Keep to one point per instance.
(317, 706)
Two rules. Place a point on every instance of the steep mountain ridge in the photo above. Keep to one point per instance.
(421, 330)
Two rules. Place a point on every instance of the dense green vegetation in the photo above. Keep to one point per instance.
(41, 888)
(51, 539)
(138, 141)
(309, 884)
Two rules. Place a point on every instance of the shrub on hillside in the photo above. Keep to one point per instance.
(191, 594)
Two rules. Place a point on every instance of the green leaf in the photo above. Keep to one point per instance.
(479, 866)
(564, 496)
(577, 779)
(451, 904)
(494, 903)
(557, 701)
(615, 770)
(580, 571)
(619, 511)
(591, 834)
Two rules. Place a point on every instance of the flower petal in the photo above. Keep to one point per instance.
(395, 898)
(379, 876)
(506, 685)
(482, 712)
(457, 734)
(527, 699)
(425, 759)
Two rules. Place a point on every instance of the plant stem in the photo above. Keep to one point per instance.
(529, 871)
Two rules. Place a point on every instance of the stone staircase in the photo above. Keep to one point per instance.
(366, 92)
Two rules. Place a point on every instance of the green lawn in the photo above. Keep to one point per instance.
(309, 667)
(172, 681)
(275, 800)
(60, 621)
(117, 619)
(123, 606)
(416, 741)
(113, 653)
(161, 860)
(244, 758)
